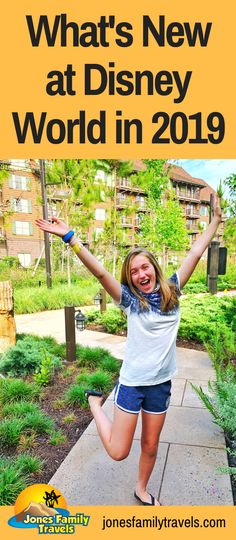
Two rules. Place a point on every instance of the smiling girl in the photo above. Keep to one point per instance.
(152, 308)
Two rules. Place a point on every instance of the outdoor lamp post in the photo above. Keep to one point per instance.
(70, 321)
(97, 299)
(80, 320)
(100, 300)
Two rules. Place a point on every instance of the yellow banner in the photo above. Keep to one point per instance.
(118, 79)
(89, 522)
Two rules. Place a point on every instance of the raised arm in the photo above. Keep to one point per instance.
(60, 229)
(199, 246)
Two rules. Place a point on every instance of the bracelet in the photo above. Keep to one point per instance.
(66, 238)
(77, 248)
(75, 244)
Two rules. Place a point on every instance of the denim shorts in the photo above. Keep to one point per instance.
(151, 399)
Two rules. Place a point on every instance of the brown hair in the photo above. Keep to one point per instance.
(168, 293)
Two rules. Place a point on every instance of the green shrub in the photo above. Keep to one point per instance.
(25, 357)
(38, 422)
(28, 464)
(221, 404)
(21, 359)
(108, 363)
(221, 346)
(94, 316)
(114, 320)
(199, 316)
(75, 395)
(100, 380)
(47, 343)
(45, 371)
(10, 431)
(90, 356)
(69, 418)
(12, 390)
(57, 437)
(31, 300)
(12, 481)
(19, 409)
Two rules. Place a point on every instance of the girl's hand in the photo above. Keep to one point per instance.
(217, 211)
(54, 227)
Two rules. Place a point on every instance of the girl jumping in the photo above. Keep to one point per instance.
(151, 304)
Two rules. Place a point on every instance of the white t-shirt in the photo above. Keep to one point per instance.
(150, 353)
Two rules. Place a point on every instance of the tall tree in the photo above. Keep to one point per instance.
(115, 168)
(164, 228)
(231, 183)
(81, 193)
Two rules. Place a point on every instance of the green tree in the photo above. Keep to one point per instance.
(82, 191)
(164, 227)
(114, 168)
(230, 234)
(231, 183)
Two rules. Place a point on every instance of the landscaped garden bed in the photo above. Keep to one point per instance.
(43, 408)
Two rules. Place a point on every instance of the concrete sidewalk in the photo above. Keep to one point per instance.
(191, 447)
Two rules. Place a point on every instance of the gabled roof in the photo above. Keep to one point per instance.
(179, 174)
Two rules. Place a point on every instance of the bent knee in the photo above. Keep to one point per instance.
(119, 455)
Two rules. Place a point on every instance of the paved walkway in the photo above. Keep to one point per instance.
(191, 449)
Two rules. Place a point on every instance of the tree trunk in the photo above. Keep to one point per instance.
(7, 321)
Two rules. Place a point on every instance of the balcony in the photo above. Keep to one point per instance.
(187, 197)
(193, 229)
(125, 185)
(123, 203)
(126, 222)
(192, 214)
(141, 206)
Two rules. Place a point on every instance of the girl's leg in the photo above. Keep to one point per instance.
(116, 436)
(151, 428)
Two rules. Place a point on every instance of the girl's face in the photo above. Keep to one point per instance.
(142, 273)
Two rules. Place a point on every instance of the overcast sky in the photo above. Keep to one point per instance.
(210, 170)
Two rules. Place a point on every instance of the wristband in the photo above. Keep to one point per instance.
(77, 248)
(75, 244)
(66, 238)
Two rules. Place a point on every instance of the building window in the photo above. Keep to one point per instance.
(100, 214)
(204, 211)
(97, 232)
(22, 205)
(19, 182)
(25, 259)
(19, 163)
(22, 227)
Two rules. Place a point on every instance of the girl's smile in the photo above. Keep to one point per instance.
(143, 274)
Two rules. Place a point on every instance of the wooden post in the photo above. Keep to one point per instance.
(70, 333)
(214, 265)
(103, 305)
(7, 321)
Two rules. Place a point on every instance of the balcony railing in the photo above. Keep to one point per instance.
(126, 222)
(190, 213)
(126, 185)
(188, 197)
(123, 202)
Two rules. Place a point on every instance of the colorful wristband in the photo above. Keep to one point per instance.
(77, 248)
(66, 238)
